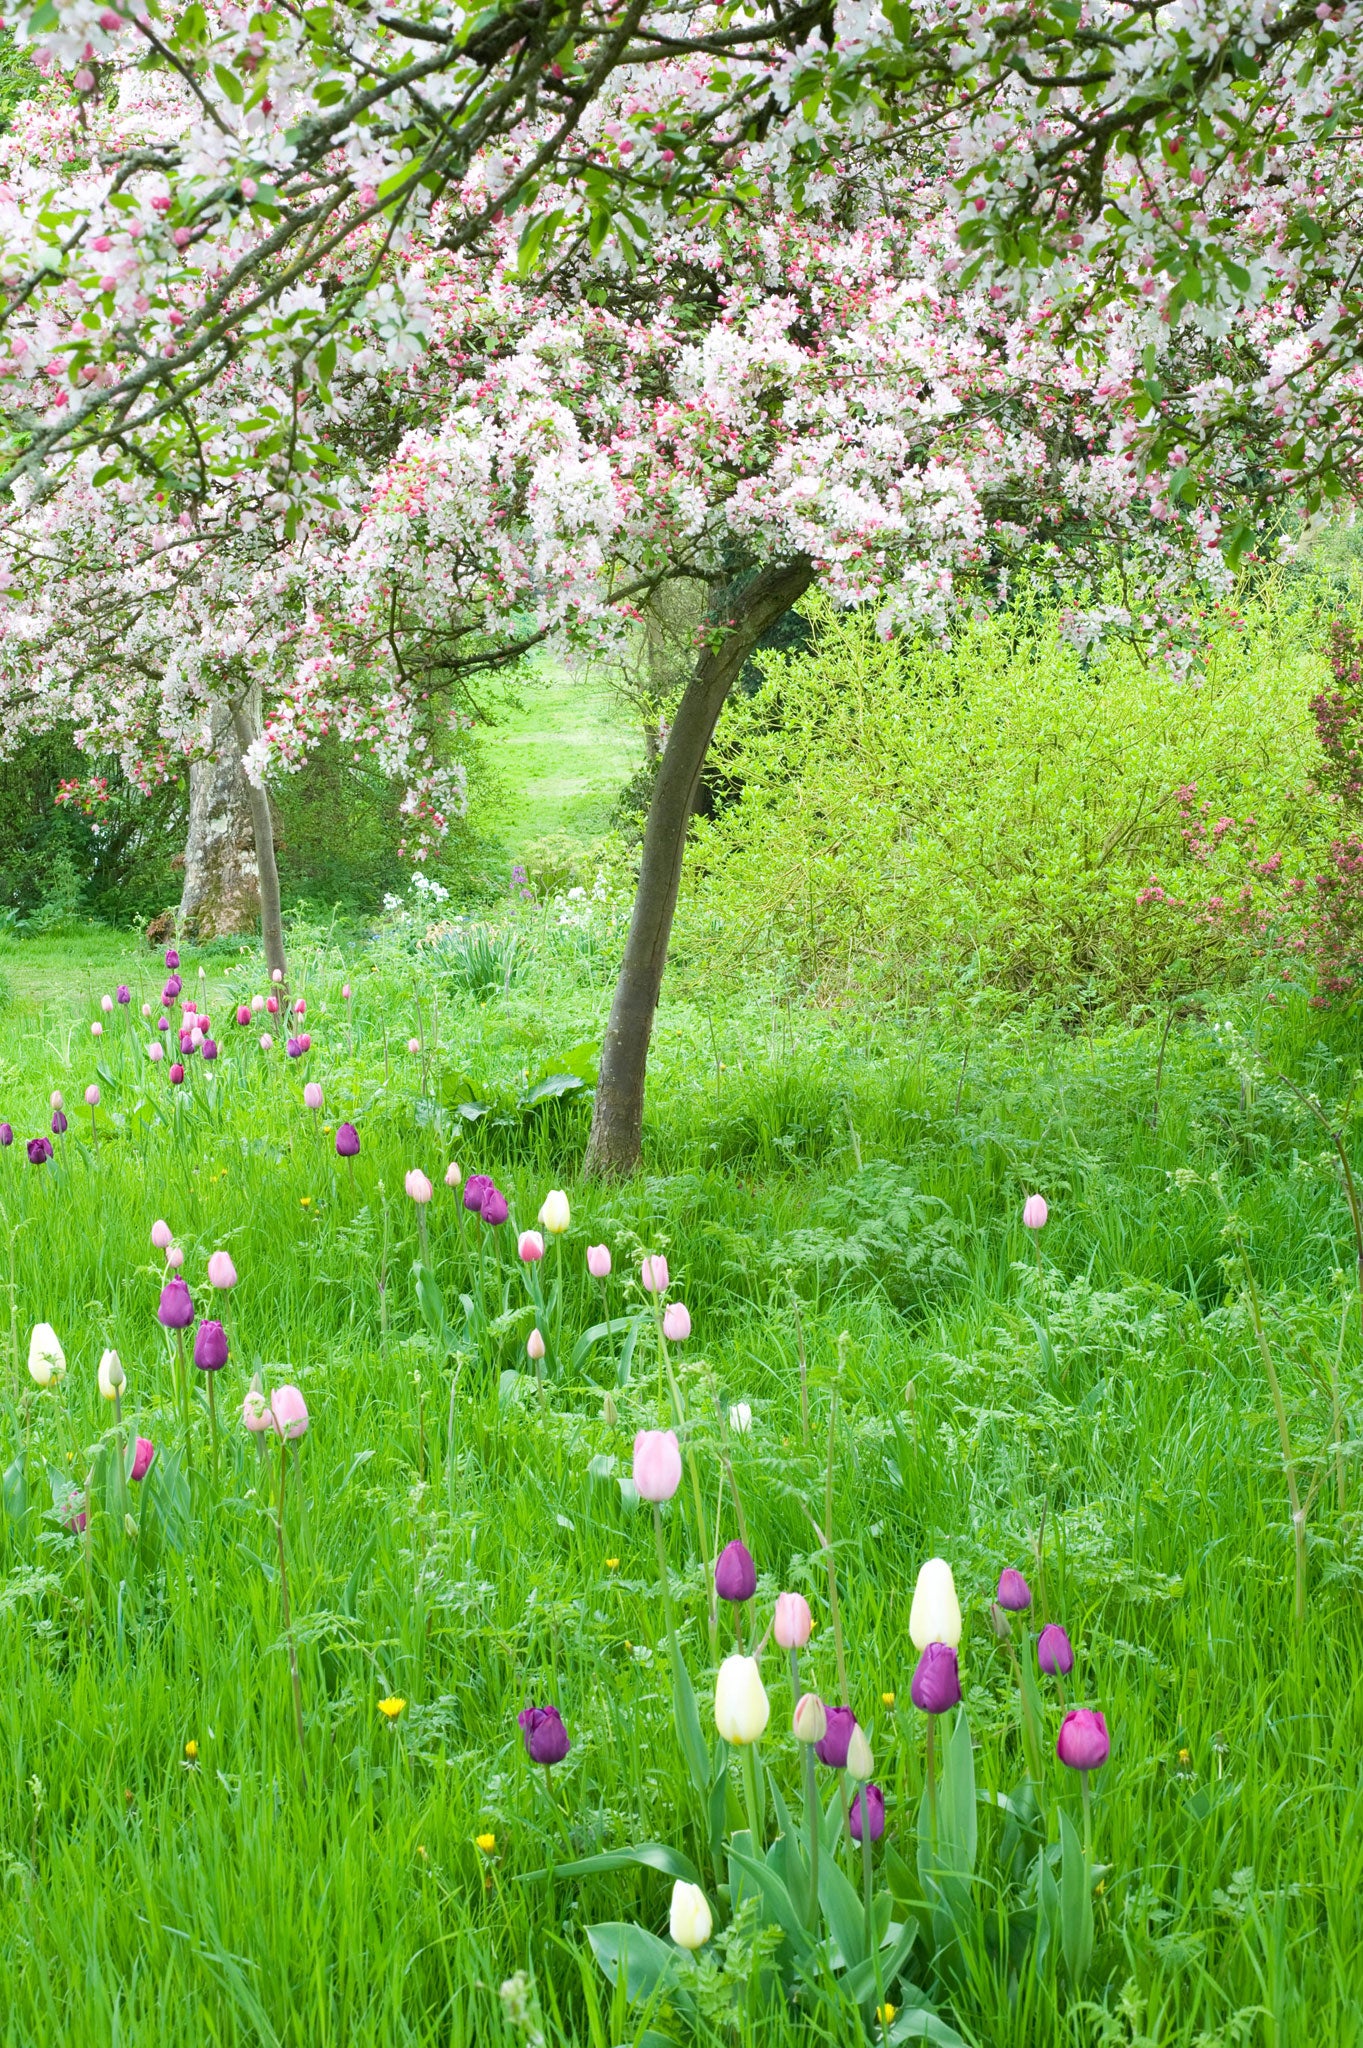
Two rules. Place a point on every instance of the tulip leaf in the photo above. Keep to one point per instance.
(431, 1302)
(842, 1908)
(1076, 1902)
(921, 2023)
(628, 1347)
(615, 1328)
(775, 1897)
(1047, 1909)
(956, 1803)
(647, 1855)
(623, 1950)
(15, 1489)
(688, 1724)
(881, 1971)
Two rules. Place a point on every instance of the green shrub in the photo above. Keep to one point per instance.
(895, 814)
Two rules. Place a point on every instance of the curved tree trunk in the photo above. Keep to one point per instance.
(246, 724)
(221, 896)
(618, 1117)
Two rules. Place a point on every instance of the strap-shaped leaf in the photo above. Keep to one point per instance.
(658, 1856)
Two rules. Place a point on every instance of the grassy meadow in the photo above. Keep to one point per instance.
(1092, 1409)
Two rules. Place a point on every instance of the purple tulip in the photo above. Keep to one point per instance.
(144, 1450)
(177, 1072)
(210, 1347)
(735, 1573)
(125, 994)
(58, 1121)
(1014, 1594)
(163, 1023)
(1083, 1740)
(936, 1682)
(6, 1134)
(39, 1149)
(292, 1048)
(477, 1188)
(495, 1210)
(171, 989)
(1053, 1651)
(874, 1808)
(833, 1749)
(172, 958)
(209, 1049)
(176, 1309)
(347, 1140)
(546, 1738)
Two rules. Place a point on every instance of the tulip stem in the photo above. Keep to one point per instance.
(833, 1609)
(868, 1895)
(213, 1418)
(702, 1532)
(750, 1798)
(930, 1773)
(1088, 1821)
(662, 1574)
(288, 1620)
(813, 1809)
(1030, 1736)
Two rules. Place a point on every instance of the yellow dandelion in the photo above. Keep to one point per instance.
(487, 1843)
(612, 1564)
(305, 1201)
(1184, 1757)
(391, 1708)
(192, 1750)
(885, 2013)
(887, 1699)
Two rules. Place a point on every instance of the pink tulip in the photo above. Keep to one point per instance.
(304, 1042)
(265, 1041)
(144, 1450)
(146, 1009)
(654, 1274)
(289, 1413)
(453, 1176)
(277, 974)
(300, 1008)
(257, 1004)
(243, 1013)
(56, 1099)
(530, 1246)
(92, 1097)
(160, 1234)
(345, 990)
(534, 1346)
(221, 1271)
(156, 1051)
(312, 1094)
(175, 1257)
(1034, 1213)
(657, 1464)
(794, 1624)
(417, 1185)
(106, 1003)
(599, 1261)
(414, 1045)
(97, 1029)
(255, 1411)
(272, 1005)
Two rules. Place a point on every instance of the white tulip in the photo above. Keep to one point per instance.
(740, 1418)
(741, 1705)
(554, 1215)
(935, 1616)
(689, 1922)
(111, 1379)
(860, 1762)
(46, 1359)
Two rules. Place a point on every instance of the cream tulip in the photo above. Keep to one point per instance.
(554, 1215)
(111, 1379)
(935, 1616)
(46, 1359)
(742, 1709)
(860, 1762)
(689, 1922)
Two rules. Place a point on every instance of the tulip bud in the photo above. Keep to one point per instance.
(657, 1464)
(860, 1762)
(97, 1029)
(417, 1186)
(46, 1359)
(810, 1722)
(867, 1808)
(56, 1101)
(277, 974)
(793, 1624)
(534, 1346)
(554, 1215)
(1054, 1653)
(529, 1247)
(452, 1174)
(832, 1751)
(610, 1414)
(1034, 1213)
(689, 1921)
(106, 1003)
(210, 1347)
(599, 1261)
(741, 1705)
(255, 1411)
(1083, 1742)
(935, 1615)
(289, 1412)
(92, 1096)
(221, 1271)
(257, 1004)
(740, 1418)
(345, 990)
(111, 1378)
(266, 1042)
(175, 1257)
(654, 1274)
(676, 1322)
(312, 1094)
(414, 1045)
(144, 1451)
(735, 1573)
(546, 1738)
(1014, 1594)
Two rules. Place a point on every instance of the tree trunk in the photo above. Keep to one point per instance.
(617, 1120)
(246, 723)
(221, 895)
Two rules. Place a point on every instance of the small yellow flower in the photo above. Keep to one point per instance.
(487, 1843)
(1184, 1757)
(612, 1564)
(192, 1750)
(305, 1201)
(887, 1699)
(391, 1708)
(885, 2013)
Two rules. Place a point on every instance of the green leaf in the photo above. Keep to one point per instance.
(229, 84)
(861, 1982)
(550, 1089)
(776, 1898)
(627, 1349)
(432, 1305)
(843, 1911)
(957, 1807)
(615, 1328)
(15, 1489)
(632, 1954)
(921, 2023)
(688, 1724)
(1047, 1910)
(1076, 1903)
(646, 1855)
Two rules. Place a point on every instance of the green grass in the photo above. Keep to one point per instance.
(1113, 1397)
(561, 759)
